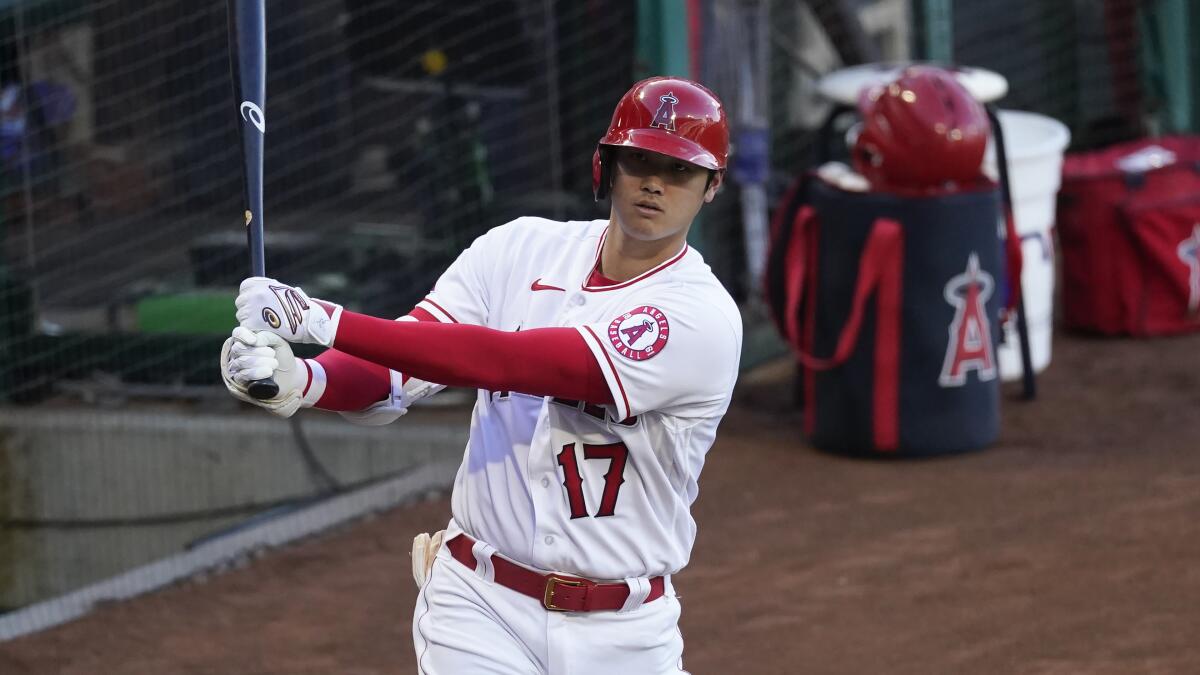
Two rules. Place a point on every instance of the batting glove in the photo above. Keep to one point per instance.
(424, 552)
(267, 305)
(248, 356)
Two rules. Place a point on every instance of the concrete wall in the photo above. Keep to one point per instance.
(87, 493)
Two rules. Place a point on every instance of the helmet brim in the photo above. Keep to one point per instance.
(665, 143)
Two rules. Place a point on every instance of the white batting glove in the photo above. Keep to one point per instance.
(248, 356)
(267, 305)
(424, 552)
(842, 176)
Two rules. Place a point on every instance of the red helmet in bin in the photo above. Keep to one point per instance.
(668, 115)
(920, 132)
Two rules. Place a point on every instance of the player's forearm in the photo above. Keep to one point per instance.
(351, 383)
(541, 362)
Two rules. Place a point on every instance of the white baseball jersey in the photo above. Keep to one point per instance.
(602, 492)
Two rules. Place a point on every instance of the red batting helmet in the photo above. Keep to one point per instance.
(667, 115)
(920, 132)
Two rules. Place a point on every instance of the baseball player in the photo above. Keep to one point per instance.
(605, 354)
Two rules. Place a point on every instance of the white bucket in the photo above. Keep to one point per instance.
(1034, 145)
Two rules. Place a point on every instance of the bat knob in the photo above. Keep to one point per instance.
(263, 390)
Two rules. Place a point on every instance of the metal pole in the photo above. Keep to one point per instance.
(1175, 29)
(753, 135)
(26, 178)
(553, 129)
(939, 31)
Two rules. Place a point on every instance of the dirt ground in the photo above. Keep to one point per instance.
(1071, 546)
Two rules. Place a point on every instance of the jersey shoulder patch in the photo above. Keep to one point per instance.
(640, 333)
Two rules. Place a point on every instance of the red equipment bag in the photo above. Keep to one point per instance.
(1129, 230)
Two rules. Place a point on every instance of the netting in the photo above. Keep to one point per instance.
(400, 131)
(397, 133)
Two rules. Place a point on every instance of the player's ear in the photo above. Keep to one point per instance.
(716, 179)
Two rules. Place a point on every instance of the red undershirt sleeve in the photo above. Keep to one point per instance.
(356, 384)
(352, 383)
(539, 361)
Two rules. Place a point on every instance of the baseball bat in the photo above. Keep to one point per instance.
(248, 66)
(1028, 381)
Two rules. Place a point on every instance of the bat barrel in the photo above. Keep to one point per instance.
(248, 64)
(248, 29)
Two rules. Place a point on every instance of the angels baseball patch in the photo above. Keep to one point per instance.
(639, 334)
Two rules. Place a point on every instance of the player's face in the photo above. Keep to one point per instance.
(655, 196)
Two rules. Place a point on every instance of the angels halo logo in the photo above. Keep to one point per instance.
(639, 334)
(665, 115)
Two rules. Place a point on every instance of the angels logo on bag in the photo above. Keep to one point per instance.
(1189, 253)
(970, 345)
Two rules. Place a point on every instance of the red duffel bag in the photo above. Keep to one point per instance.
(1129, 228)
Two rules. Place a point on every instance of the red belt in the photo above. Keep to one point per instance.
(557, 593)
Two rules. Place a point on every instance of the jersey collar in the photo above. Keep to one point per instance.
(625, 284)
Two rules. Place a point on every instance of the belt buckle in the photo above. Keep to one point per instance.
(553, 582)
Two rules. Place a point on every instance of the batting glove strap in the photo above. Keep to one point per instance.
(384, 412)
(315, 387)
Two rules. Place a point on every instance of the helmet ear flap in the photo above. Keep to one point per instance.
(601, 172)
